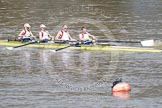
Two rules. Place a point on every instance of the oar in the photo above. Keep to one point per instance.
(72, 45)
(145, 43)
(118, 41)
(11, 48)
(60, 48)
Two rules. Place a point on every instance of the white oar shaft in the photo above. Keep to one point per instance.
(118, 41)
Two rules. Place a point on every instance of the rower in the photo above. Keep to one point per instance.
(25, 35)
(63, 35)
(44, 35)
(86, 37)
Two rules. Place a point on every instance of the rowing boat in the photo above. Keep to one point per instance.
(83, 47)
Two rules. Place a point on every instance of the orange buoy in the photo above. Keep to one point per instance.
(122, 94)
(121, 86)
(118, 86)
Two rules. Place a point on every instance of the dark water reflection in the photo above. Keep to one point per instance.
(39, 78)
(44, 79)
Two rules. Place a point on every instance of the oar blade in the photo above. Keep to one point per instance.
(147, 43)
(9, 48)
(53, 51)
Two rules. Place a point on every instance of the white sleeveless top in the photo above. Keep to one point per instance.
(64, 35)
(44, 34)
(84, 36)
(26, 34)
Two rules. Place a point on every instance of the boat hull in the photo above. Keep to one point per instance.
(83, 47)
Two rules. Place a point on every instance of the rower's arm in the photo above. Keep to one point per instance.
(93, 37)
(21, 33)
(31, 34)
(49, 35)
(71, 37)
(58, 34)
(40, 36)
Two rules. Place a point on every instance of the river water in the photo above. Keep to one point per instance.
(80, 79)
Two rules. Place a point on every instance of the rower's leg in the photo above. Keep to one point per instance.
(66, 42)
(26, 40)
(87, 42)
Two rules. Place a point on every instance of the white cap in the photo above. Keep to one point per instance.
(26, 25)
(42, 26)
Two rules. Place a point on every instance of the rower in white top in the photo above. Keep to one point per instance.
(25, 35)
(63, 35)
(44, 35)
(86, 37)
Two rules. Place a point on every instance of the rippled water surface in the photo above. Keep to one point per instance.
(79, 79)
